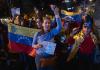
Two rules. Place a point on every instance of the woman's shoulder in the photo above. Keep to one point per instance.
(39, 33)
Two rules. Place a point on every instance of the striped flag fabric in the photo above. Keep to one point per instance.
(20, 39)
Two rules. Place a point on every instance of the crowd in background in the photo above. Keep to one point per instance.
(75, 40)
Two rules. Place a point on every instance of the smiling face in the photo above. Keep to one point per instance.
(46, 24)
(39, 23)
(85, 27)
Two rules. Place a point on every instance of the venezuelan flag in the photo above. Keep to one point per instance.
(20, 39)
(74, 14)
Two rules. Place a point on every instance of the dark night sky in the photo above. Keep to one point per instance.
(26, 5)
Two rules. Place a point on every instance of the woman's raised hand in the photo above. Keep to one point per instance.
(55, 9)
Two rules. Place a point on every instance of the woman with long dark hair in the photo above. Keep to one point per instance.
(46, 34)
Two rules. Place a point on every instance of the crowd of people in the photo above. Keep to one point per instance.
(75, 40)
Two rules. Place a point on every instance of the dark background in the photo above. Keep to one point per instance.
(27, 6)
